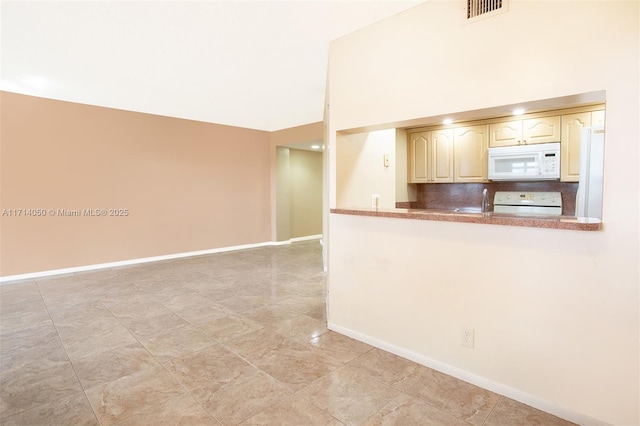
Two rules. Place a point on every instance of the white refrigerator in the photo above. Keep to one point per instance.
(589, 196)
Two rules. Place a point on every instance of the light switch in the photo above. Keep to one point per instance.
(386, 160)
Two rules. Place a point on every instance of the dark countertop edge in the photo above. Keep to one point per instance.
(562, 222)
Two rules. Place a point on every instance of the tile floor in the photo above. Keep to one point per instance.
(230, 338)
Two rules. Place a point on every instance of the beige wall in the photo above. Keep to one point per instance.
(187, 185)
(564, 338)
(361, 172)
(307, 132)
(305, 193)
(283, 194)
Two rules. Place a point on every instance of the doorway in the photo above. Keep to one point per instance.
(299, 193)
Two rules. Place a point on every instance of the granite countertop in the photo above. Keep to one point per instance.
(475, 216)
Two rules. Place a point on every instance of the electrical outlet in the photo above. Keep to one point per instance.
(375, 200)
(467, 337)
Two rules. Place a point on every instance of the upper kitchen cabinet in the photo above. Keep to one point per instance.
(442, 142)
(470, 153)
(431, 156)
(572, 125)
(524, 132)
(505, 133)
(459, 153)
(419, 166)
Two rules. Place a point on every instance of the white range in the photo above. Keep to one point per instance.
(528, 203)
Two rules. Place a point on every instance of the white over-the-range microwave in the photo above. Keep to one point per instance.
(525, 162)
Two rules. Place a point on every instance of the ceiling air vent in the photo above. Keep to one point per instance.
(477, 8)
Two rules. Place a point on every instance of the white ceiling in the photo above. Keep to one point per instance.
(254, 64)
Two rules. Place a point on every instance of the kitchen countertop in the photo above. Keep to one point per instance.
(475, 216)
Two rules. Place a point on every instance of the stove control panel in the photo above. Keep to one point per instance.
(509, 198)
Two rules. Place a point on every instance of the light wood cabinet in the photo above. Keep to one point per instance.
(459, 153)
(525, 132)
(572, 125)
(449, 155)
(505, 133)
(419, 167)
(442, 163)
(431, 156)
(470, 154)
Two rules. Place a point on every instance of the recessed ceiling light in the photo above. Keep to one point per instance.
(447, 121)
(518, 111)
(315, 146)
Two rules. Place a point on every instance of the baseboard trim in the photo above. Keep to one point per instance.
(281, 243)
(307, 238)
(499, 388)
(98, 266)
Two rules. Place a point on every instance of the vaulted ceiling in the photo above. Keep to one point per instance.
(255, 64)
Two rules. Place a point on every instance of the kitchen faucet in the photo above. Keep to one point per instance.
(485, 201)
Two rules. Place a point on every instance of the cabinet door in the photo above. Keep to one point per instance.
(505, 133)
(541, 130)
(442, 164)
(470, 157)
(419, 156)
(572, 125)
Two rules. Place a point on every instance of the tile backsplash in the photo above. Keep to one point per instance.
(460, 195)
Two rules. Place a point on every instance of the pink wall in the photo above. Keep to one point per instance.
(187, 185)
